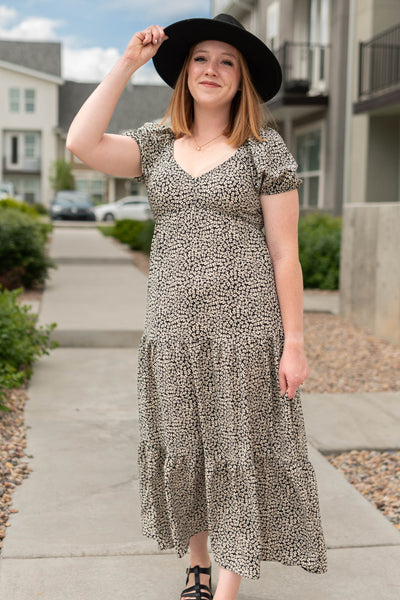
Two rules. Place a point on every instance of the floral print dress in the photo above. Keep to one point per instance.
(220, 450)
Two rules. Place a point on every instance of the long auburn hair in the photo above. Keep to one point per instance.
(247, 115)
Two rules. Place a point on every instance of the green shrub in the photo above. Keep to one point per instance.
(21, 206)
(61, 177)
(106, 230)
(21, 342)
(138, 234)
(23, 260)
(319, 248)
(40, 208)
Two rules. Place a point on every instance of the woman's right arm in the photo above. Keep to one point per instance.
(116, 155)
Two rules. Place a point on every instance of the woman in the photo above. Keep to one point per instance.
(222, 443)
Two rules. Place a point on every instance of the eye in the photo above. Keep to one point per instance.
(228, 62)
(199, 58)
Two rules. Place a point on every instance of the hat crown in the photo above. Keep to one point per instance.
(263, 65)
(224, 18)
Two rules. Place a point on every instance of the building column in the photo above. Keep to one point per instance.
(111, 196)
(288, 133)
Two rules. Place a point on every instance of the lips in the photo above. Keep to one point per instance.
(210, 84)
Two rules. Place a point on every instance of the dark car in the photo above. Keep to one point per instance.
(70, 204)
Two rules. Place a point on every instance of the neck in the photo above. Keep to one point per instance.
(209, 123)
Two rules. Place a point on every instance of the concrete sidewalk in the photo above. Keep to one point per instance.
(77, 534)
(95, 295)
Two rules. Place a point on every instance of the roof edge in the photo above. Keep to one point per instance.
(31, 72)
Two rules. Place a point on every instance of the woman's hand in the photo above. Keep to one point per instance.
(144, 45)
(293, 369)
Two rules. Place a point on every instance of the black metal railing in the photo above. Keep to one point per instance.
(379, 68)
(304, 67)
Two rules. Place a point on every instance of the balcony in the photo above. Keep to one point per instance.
(379, 73)
(305, 84)
(26, 165)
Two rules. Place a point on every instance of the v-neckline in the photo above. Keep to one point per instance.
(194, 177)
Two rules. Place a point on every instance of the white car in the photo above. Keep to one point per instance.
(130, 207)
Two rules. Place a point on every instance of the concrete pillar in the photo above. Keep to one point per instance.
(111, 195)
(370, 269)
(336, 115)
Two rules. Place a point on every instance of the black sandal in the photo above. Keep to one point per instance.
(195, 592)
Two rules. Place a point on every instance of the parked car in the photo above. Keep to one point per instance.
(71, 204)
(130, 207)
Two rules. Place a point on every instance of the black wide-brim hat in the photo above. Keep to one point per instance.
(264, 67)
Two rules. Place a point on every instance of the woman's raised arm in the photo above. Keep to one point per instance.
(116, 155)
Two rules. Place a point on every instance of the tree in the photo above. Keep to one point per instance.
(61, 177)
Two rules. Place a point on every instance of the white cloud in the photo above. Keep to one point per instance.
(12, 27)
(79, 64)
(6, 15)
(88, 64)
(147, 74)
(93, 64)
(32, 29)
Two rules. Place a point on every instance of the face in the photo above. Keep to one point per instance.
(214, 73)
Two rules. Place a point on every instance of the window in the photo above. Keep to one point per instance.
(308, 156)
(134, 188)
(93, 187)
(30, 145)
(82, 185)
(23, 150)
(30, 97)
(14, 100)
(14, 150)
(319, 39)
(273, 25)
(30, 190)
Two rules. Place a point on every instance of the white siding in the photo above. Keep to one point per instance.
(44, 119)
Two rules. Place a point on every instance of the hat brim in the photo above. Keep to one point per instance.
(264, 67)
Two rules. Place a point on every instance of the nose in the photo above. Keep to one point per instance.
(211, 68)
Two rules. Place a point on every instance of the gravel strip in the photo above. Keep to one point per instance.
(12, 450)
(376, 475)
(345, 359)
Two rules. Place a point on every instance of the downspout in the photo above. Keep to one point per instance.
(349, 103)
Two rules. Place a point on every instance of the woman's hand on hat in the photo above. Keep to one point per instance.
(144, 45)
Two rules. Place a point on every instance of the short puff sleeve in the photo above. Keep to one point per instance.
(150, 138)
(275, 165)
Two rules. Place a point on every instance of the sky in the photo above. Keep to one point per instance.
(93, 33)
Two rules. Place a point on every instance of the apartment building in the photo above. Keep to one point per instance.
(36, 110)
(30, 75)
(370, 267)
(309, 38)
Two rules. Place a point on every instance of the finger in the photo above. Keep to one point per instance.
(158, 35)
(292, 389)
(155, 34)
(146, 37)
(282, 383)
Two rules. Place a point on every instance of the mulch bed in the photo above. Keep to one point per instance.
(343, 359)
